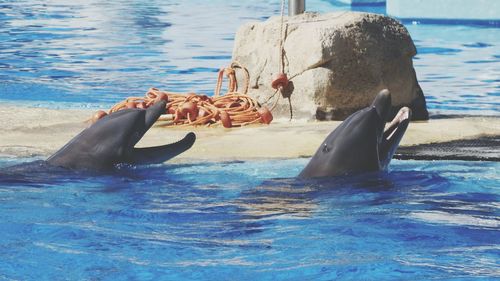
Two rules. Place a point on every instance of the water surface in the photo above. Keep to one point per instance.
(94, 53)
(239, 220)
(253, 221)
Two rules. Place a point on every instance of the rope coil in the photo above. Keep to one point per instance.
(233, 109)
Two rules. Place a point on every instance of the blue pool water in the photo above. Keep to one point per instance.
(239, 220)
(94, 53)
(421, 221)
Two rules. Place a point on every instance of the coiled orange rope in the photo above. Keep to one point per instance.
(232, 109)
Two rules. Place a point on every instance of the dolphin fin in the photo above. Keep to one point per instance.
(160, 154)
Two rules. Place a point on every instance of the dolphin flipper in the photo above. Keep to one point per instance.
(160, 154)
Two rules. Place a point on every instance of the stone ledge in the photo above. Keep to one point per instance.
(40, 132)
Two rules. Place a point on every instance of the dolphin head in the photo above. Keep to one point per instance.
(360, 143)
(111, 141)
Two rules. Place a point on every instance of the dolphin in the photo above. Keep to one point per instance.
(111, 140)
(360, 143)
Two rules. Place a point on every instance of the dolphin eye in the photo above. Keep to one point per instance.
(325, 148)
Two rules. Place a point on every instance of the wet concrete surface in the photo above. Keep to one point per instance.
(478, 149)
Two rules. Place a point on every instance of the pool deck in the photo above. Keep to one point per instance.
(39, 132)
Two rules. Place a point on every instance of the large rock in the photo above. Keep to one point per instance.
(338, 62)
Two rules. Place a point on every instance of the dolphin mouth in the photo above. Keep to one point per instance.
(393, 134)
(155, 154)
(160, 154)
(400, 120)
(150, 115)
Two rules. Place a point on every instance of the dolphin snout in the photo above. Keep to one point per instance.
(154, 112)
(382, 104)
(159, 106)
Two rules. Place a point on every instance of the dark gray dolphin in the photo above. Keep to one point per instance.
(111, 141)
(360, 144)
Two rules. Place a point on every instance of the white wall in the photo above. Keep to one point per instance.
(445, 9)
(362, 1)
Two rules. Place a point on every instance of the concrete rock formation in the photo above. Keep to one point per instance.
(337, 63)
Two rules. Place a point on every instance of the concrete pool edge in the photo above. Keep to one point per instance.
(486, 148)
(39, 132)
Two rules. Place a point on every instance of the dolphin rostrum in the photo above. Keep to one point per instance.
(111, 141)
(360, 143)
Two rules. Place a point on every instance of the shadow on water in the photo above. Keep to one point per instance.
(301, 197)
(40, 174)
(226, 191)
(35, 174)
(417, 195)
(284, 195)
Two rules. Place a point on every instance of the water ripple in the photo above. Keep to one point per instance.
(207, 220)
(108, 50)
